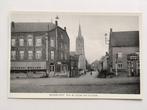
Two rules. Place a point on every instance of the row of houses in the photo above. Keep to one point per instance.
(46, 47)
(123, 56)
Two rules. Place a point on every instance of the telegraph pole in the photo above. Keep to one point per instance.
(116, 68)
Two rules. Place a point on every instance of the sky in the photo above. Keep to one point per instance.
(93, 27)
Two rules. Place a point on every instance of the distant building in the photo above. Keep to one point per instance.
(80, 50)
(94, 65)
(101, 64)
(74, 64)
(39, 47)
(121, 45)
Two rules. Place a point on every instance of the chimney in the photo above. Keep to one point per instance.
(65, 28)
(56, 22)
(13, 24)
(110, 30)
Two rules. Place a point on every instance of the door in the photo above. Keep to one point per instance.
(52, 70)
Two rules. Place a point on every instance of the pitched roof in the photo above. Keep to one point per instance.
(124, 39)
(32, 26)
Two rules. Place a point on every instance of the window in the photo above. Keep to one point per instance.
(61, 36)
(120, 66)
(61, 45)
(52, 55)
(13, 42)
(30, 42)
(119, 55)
(66, 48)
(65, 56)
(61, 55)
(38, 42)
(30, 55)
(21, 42)
(13, 55)
(38, 54)
(52, 43)
(21, 53)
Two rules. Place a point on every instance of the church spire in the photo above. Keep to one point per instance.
(79, 33)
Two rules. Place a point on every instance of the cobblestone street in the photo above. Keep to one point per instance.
(84, 84)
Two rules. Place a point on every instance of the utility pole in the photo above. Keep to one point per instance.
(116, 68)
(56, 46)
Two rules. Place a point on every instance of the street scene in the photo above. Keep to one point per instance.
(74, 53)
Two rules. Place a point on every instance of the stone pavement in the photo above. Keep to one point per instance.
(83, 84)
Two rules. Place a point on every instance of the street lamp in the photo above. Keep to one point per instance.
(116, 66)
(46, 42)
(106, 39)
(107, 42)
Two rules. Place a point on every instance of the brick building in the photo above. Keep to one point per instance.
(39, 47)
(121, 45)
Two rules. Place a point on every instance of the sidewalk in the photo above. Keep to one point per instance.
(83, 80)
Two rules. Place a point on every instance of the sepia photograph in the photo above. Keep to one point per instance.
(74, 55)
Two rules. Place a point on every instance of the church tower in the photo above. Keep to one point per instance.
(80, 50)
(80, 43)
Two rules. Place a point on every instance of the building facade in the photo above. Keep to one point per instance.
(102, 64)
(120, 46)
(39, 47)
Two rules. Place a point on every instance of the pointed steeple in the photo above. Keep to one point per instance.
(79, 33)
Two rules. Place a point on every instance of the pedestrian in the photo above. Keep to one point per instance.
(91, 72)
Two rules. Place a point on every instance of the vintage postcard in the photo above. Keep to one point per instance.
(75, 55)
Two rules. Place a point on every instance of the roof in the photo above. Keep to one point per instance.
(125, 39)
(32, 26)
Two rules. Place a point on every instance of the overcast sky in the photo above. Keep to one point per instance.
(93, 26)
